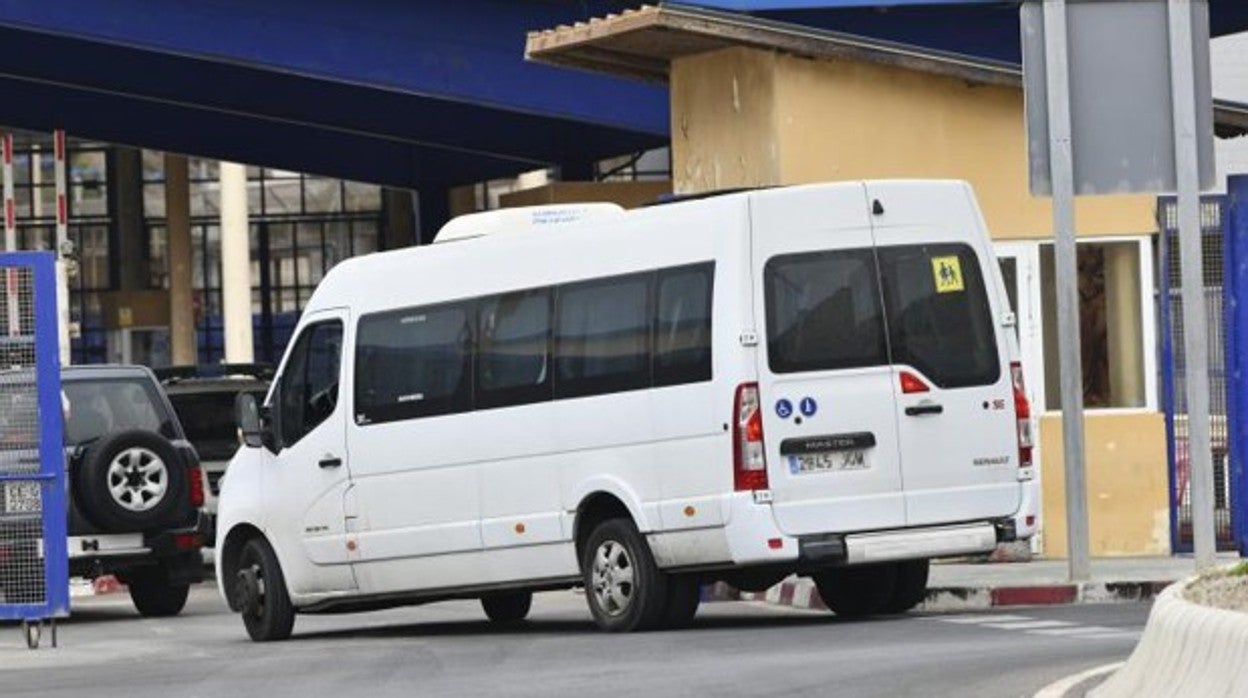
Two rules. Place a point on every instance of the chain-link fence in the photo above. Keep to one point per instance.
(1174, 371)
(33, 566)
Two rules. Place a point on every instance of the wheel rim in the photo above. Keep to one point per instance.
(252, 576)
(613, 578)
(138, 479)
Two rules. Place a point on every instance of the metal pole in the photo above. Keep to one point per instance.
(1195, 338)
(10, 237)
(62, 245)
(1057, 69)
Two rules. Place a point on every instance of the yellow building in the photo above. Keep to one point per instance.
(765, 104)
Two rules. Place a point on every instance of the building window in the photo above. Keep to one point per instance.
(1111, 325)
(301, 226)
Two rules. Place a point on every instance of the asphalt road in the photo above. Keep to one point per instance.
(448, 649)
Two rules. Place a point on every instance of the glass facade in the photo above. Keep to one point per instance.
(301, 226)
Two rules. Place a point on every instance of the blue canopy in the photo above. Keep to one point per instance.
(981, 28)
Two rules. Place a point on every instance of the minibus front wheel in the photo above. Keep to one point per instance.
(261, 592)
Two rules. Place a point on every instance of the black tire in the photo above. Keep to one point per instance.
(911, 586)
(626, 591)
(155, 597)
(857, 591)
(684, 594)
(507, 608)
(267, 611)
(132, 481)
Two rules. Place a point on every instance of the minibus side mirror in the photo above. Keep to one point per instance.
(247, 416)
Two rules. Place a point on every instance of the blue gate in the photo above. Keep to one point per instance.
(34, 584)
(1218, 290)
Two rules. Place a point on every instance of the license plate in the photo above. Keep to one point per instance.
(825, 462)
(21, 498)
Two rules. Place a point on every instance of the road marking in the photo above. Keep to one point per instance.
(1121, 635)
(1059, 688)
(1031, 625)
(1078, 630)
(977, 619)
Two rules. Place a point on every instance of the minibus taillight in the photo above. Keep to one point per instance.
(749, 460)
(1022, 412)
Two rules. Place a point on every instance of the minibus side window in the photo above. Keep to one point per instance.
(513, 349)
(682, 331)
(309, 384)
(823, 312)
(602, 336)
(415, 362)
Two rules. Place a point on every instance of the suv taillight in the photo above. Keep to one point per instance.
(196, 478)
(1022, 412)
(749, 462)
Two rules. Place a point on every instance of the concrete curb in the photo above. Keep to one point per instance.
(1187, 650)
(801, 593)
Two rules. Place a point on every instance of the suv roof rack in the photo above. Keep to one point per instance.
(174, 374)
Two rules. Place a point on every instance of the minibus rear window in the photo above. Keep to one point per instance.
(823, 312)
(939, 319)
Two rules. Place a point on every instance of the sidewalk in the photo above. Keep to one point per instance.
(968, 586)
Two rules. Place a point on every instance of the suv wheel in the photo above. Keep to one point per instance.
(131, 481)
(155, 597)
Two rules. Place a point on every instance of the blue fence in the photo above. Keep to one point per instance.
(1236, 235)
(34, 583)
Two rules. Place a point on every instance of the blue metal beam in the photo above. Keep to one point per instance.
(982, 28)
(397, 94)
(467, 51)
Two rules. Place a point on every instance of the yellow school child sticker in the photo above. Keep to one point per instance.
(947, 271)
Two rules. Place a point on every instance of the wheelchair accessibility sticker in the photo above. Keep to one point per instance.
(784, 408)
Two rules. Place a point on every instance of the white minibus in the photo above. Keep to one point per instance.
(817, 380)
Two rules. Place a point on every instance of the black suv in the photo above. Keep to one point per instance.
(135, 486)
(203, 397)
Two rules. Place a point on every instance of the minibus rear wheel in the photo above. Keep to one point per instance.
(625, 589)
(507, 607)
(857, 591)
(911, 586)
(684, 594)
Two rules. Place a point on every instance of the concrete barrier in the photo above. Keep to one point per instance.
(1187, 650)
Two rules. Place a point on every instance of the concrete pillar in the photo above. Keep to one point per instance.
(399, 229)
(1123, 325)
(235, 265)
(724, 123)
(128, 238)
(181, 259)
(434, 210)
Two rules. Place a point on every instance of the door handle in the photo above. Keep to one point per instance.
(330, 461)
(920, 410)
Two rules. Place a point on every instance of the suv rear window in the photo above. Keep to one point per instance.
(208, 420)
(99, 407)
(824, 312)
